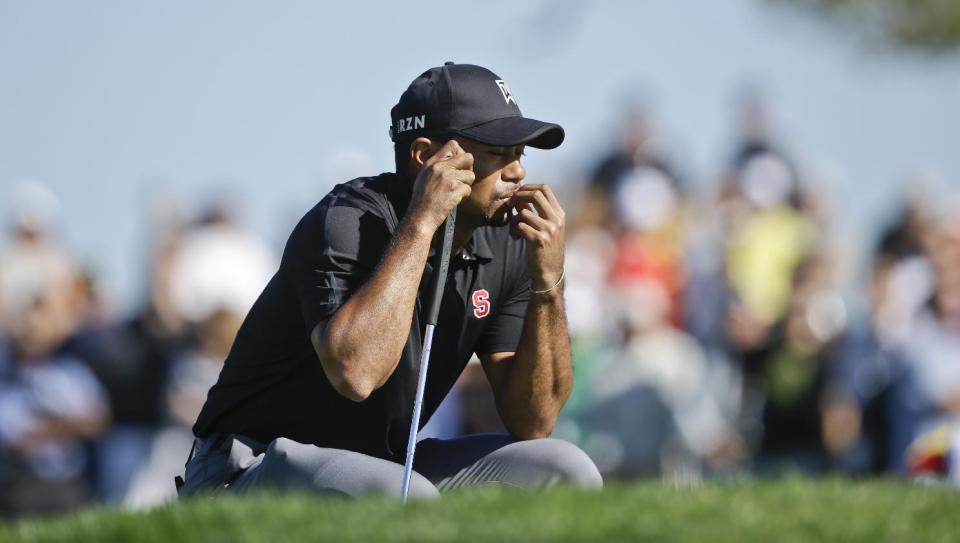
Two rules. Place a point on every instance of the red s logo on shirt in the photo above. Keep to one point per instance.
(481, 303)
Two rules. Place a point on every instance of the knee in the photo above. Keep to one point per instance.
(569, 463)
(291, 453)
(289, 464)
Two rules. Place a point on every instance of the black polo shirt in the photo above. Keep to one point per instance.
(272, 384)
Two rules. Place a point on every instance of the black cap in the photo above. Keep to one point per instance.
(468, 101)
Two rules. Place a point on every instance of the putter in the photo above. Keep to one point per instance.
(435, 295)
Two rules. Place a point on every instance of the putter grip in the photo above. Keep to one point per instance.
(441, 264)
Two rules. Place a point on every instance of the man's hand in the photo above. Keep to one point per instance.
(443, 182)
(355, 364)
(540, 221)
(532, 384)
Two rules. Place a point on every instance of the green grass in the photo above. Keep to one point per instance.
(793, 510)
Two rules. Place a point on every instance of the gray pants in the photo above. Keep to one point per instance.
(240, 464)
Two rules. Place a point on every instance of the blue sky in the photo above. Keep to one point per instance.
(115, 105)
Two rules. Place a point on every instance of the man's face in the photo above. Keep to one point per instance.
(498, 175)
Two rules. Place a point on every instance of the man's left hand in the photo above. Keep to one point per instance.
(540, 221)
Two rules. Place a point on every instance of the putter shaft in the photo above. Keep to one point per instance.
(415, 423)
(437, 283)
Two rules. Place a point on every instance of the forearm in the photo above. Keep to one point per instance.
(361, 344)
(540, 375)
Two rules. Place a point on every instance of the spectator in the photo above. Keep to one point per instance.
(33, 262)
(637, 144)
(796, 371)
(217, 266)
(133, 359)
(661, 382)
(51, 408)
(191, 376)
(931, 389)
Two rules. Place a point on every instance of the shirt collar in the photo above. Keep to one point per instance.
(477, 246)
(476, 249)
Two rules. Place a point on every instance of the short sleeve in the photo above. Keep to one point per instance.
(502, 334)
(331, 255)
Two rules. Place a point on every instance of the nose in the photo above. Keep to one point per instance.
(513, 172)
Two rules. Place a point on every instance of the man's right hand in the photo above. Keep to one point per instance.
(443, 182)
(360, 346)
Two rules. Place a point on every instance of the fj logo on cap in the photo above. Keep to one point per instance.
(505, 90)
(411, 123)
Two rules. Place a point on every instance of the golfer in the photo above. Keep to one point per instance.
(317, 392)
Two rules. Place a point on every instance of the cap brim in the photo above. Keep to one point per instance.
(516, 131)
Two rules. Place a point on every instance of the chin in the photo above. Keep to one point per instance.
(500, 217)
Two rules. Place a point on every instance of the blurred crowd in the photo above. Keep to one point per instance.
(712, 329)
(96, 408)
(714, 333)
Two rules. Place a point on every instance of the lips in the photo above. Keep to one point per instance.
(506, 196)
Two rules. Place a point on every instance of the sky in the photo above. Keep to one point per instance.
(119, 107)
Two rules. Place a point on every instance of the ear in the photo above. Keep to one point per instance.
(421, 149)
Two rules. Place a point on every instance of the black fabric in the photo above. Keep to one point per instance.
(273, 385)
(470, 101)
(515, 131)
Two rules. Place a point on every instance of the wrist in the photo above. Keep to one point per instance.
(419, 226)
(552, 298)
(546, 286)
